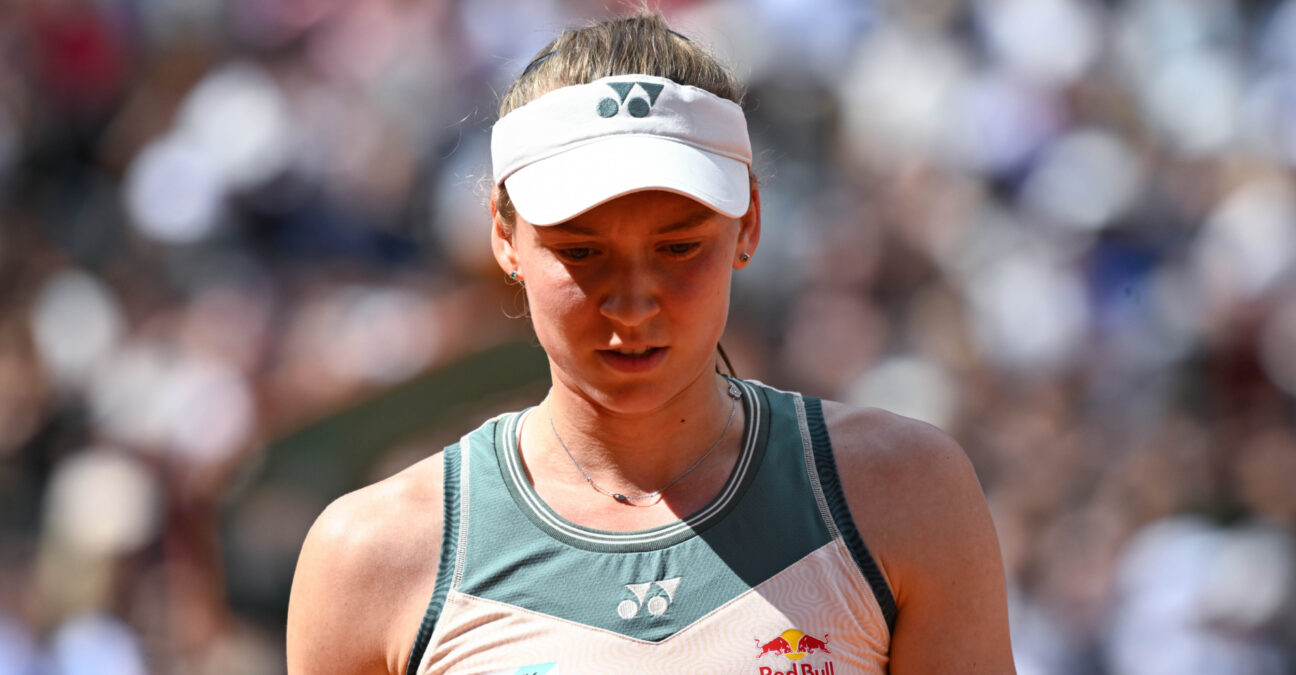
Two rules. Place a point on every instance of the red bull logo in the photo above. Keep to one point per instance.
(794, 645)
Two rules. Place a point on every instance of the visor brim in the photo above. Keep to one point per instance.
(559, 188)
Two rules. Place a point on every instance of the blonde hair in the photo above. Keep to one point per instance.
(641, 44)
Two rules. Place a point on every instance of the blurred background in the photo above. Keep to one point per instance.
(244, 268)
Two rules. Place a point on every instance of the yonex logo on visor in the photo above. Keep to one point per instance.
(561, 154)
(637, 107)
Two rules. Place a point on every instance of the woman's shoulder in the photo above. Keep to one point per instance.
(381, 517)
(365, 574)
(912, 492)
(878, 446)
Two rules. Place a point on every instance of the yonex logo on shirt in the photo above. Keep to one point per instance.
(637, 107)
(657, 605)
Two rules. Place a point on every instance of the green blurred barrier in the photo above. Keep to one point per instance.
(333, 453)
(275, 498)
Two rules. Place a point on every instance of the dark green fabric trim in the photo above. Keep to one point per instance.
(445, 568)
(756, 432)
(836, 498)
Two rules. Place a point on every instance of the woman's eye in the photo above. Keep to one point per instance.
(577, 253)
(681, 249)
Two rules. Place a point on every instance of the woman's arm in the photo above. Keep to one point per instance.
(365, 575)
(917, 503)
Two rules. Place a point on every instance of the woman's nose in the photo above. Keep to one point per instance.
(632, 295)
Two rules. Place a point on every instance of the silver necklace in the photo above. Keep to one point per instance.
(655, 495)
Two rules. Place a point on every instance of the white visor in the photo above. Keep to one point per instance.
(576, 147)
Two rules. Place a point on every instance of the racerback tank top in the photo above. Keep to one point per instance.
(770, 578)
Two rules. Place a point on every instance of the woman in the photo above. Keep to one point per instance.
(650, 515)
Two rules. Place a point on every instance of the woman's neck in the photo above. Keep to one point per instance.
(637, 452)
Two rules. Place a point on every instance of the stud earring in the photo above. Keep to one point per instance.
(744, 257)
(513, 275)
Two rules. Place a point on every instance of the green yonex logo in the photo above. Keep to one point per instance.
(637, 107)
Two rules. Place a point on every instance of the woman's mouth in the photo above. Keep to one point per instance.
(635, 360)
(633, 352)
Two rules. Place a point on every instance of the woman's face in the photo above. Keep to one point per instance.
(630, 298)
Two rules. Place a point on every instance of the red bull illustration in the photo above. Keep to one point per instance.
(794, 645)
(810, 644)
(778, 645)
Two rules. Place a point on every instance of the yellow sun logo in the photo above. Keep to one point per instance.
(793, 637)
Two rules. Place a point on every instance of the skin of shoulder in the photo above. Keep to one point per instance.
(918, 505)
(365, 574)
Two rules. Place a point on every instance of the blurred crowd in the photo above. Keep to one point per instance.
(1064, 231)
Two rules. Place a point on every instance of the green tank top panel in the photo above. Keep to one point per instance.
(647, 584)
(770, 577)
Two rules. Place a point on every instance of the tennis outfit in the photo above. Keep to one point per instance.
(770, 578)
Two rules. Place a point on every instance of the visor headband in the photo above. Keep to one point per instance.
(620, 105)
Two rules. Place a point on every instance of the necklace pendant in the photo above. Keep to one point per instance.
(656, 496)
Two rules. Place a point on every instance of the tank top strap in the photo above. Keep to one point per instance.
(824, 470)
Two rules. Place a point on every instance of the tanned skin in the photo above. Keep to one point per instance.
(369, 564)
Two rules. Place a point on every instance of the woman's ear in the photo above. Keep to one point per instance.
(749, 231)
(503, 238)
